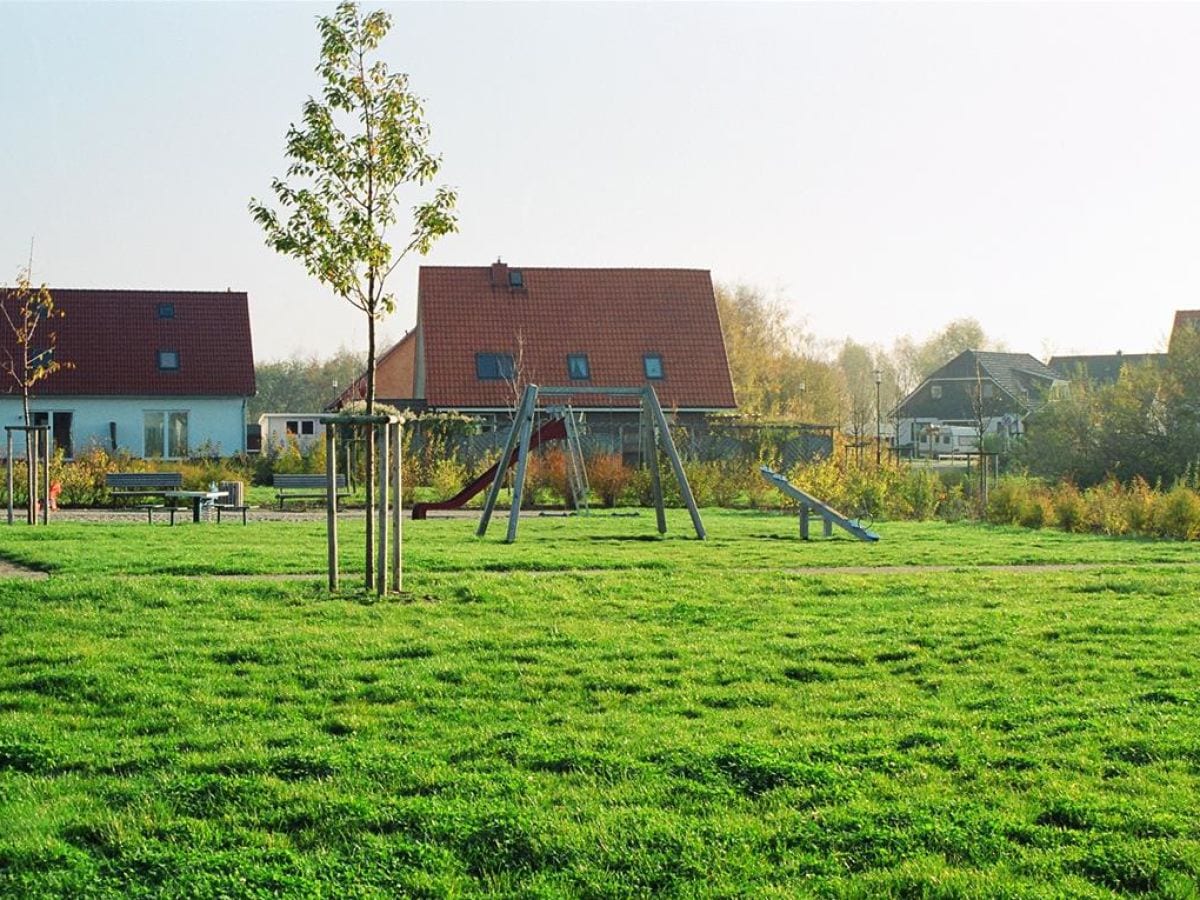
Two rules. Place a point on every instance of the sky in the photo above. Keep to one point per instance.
(879, 168)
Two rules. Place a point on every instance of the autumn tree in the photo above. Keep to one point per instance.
(303, 384)
(29, 312)
(356, 152)
(776, 369)
(917, 360)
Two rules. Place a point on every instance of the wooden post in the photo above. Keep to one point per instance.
(397, 552)
(668, 443)
(514, 514)
(381, 450)
(803, 522)
(489, 504)
(8, 460)
(331, 502)
(46, 476)
(368, 478)
(828, 527)
(31, 476)
(650, 453)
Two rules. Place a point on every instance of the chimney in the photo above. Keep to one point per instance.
(499, 274)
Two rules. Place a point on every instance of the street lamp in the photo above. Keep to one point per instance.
(878, 426)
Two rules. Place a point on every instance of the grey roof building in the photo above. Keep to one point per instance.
(1103, 368)
(997, 384)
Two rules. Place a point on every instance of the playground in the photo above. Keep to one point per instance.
(598, 710)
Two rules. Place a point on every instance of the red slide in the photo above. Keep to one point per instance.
(554, 430)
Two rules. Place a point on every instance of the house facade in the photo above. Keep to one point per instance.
(276, 429)
(1000, 388)
(482, 332)
(152, 373)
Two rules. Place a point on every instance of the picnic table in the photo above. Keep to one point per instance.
(198, 498)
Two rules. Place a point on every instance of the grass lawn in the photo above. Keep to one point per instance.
(596, 712)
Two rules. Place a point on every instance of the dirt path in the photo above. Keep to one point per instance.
(12, 570)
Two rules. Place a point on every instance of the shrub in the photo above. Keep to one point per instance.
(919, 493)
(955, 506)
(546, 474)
(1104, 508)
(1177, 514)
(1140, 501)
(609, 477)
(1069, 509)
(447, 477)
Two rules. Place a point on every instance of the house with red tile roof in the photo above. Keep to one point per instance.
(153, 373)
(482, 331)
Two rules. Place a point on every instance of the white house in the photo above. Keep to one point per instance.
(277, 428)
(153, 373)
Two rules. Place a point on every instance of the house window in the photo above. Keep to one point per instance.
(935, 391)
(306, 426)
(493, 366)
(577, 367)
(41, 358)
(165, 434)
(166, 310)
(652, 365)
(168, 360)
(516, 279)
(292, 426)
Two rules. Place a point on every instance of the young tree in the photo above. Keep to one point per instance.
(29, 313)
(355, 150)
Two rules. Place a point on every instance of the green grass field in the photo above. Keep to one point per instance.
(596, 712)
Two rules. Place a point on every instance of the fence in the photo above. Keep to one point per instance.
(777, 445)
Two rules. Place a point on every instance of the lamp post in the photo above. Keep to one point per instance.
(878, 426)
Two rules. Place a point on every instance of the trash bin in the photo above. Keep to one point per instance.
(236, 493)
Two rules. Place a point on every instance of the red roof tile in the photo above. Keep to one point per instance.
(112, 339)
(615, 316)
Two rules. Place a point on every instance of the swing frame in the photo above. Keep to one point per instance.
(655, 437)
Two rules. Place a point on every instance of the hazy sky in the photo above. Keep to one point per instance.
(883, 168)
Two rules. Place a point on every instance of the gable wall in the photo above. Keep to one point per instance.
(221, 421)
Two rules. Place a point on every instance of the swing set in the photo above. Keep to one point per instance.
(654, 437)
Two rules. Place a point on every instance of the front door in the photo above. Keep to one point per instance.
(61, 431)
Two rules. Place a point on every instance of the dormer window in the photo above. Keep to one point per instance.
(577, 367)
(166, 310)
(516, 279)
(493, 366)
(652, 365)
(168, 360)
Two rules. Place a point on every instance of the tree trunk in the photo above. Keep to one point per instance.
(30, 452)
(369, 452)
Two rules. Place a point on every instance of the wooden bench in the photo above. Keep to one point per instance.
(300, 487)
(125, 485)
(231, 508)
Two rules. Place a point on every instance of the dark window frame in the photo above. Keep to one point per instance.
(587, 367)
(662, 370)
(307, 427)
(162, 367)
(516, 279)
(494, 366)
(41, 357)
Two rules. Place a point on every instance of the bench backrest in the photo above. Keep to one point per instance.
(144, 480)
(305, 481)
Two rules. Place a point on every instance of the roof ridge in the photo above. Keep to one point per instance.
(89, 290)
